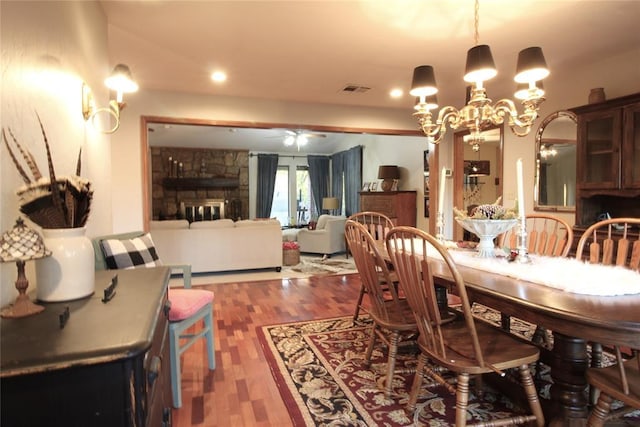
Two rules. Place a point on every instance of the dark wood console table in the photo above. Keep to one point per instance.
(108, 366)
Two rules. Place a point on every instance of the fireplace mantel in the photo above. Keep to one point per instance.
(200, 183)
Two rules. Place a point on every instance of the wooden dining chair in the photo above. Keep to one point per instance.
(463, 346)
(377, 225)
(608, 242)
(621, 382)
(393, 321)
(547, 235)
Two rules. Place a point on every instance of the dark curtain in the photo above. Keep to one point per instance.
(352, 180)
(319, 180)
(337, 173)
(267, 168)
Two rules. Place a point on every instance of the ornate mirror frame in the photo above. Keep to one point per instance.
(556, 146)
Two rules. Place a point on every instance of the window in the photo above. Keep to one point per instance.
(280, 205)
(303, 200)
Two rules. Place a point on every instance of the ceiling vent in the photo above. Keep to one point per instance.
(351, 88)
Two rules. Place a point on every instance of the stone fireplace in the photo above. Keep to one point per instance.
(199, 184)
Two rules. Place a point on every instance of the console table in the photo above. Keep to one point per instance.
(107, 365)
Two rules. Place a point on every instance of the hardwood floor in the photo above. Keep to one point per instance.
(241, 391)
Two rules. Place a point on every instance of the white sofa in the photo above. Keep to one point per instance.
(220, 245)
(327, 238)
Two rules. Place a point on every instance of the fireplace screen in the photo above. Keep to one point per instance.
(202, 209)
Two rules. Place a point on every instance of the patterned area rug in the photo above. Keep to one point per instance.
(320, 371)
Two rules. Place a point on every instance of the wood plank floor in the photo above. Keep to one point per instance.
(241, 391)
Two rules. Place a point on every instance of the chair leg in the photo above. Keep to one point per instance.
(600, 411)
(462, 400)
(418, 378)
(372, 342)
(211, 347)
(359, 303)
(391, 362)
(532, 394)
(174, 345)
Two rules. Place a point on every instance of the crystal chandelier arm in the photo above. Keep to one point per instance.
(520, 124)
(447, 115)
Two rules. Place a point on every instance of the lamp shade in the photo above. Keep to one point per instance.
(480, 66)
(21, 243)
(329, 203)
(120, 80)
(388, 172)
(531, 65)
(424, 81)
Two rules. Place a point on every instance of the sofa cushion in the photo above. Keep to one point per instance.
(257, 223)
(218, 223)
(130, 253)
(169, 224)
(322, 221)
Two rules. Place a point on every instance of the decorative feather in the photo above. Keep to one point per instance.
(21, 171)
(57, 201)
(78, 165)
(28, 158)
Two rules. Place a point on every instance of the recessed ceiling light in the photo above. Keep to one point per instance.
(218, 76)
(396, 93)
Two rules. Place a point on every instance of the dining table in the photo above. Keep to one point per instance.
(575, 318)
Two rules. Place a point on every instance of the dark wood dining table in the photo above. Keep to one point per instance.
(575, 320)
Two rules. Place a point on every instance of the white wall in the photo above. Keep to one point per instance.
(48, 49)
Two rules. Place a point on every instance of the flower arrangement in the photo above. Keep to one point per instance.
(53, 202)
(487, 211)
(290, 245)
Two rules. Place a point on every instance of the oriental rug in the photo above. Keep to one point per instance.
(320, 370)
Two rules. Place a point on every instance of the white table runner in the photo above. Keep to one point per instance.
(567, 274)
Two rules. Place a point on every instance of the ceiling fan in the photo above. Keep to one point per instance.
(299, 138)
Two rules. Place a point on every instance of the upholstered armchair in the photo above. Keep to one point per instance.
(327, 238)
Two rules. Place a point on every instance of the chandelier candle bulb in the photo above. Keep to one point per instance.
(443, 176)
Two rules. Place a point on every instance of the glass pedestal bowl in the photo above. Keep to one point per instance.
(487, 230)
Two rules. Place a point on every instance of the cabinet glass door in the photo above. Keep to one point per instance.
(631, 147)
(600, 150)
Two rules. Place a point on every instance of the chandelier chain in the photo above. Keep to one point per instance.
(476, 22)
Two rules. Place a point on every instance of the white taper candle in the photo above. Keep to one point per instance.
(443, 176)
(520, 188)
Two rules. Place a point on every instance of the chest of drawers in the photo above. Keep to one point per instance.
(107, 367)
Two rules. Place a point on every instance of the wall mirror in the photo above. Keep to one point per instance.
(477, 175)
(555, 183)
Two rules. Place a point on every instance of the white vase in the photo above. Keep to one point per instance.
(69, 272)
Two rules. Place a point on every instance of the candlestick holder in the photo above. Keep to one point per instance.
(440, 226)
(522, 256)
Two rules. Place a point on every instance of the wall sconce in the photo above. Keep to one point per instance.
(120, 81)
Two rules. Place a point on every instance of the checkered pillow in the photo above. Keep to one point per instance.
(130, 253)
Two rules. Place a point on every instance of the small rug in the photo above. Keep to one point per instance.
(318, 265)
(320, 370)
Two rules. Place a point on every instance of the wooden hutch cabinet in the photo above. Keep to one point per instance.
(608, 159)
(400, 206)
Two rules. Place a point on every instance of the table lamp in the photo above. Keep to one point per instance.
(329, 204)
(21, 244)
(388, 173)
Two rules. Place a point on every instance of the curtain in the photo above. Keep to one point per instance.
(352, 180)
(319, 180)
(337, 172)
(267, 168)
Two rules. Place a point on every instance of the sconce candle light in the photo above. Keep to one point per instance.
(121, 82)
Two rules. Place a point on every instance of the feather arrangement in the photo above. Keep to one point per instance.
(53, 202)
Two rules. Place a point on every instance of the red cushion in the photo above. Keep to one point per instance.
(185, 302)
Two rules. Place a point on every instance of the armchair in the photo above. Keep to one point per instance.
(327, 238)
(188, 306)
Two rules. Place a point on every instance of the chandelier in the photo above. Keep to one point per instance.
(480, 113)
